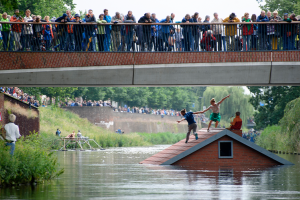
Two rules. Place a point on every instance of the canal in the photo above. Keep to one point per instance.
(115, 174)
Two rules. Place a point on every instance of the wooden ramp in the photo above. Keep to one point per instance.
(180, 147)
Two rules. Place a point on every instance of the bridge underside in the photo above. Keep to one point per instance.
(139, 70)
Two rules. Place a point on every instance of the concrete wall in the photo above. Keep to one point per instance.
(149, 69)
(129, 122)
(27, 118)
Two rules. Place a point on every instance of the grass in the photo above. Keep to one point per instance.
(52, 118)
(32, 162)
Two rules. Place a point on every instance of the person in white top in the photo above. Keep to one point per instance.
(215, 115)
(12, 133)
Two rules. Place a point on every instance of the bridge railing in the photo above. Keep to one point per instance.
(145, 37)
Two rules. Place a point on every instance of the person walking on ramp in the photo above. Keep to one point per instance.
(191, 123)
(215, 115)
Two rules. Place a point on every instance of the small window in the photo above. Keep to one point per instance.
(225, 149)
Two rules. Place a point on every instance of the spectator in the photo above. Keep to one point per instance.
(72, 135)
(172, 17)
(276, 29)
(116, 31)
(70, 36)
(5, 30)
(12, 133)
(58, 132)
(254, 35)
(78, 32)
(154, 33)
(286, 33)
(129, 30)
(294, 31)
(231, 31)
(54, 32)
(37, 32)
(146, 29)
(47, 37)
(208, 40)
(27, 30)
(89, 31)
(187, 33)
(206, 27)
(17, 29)
(236, 124)
(101, 32)
(195, 30)
(62, 31)
(262, 31)
(11, 38)
(178, 38)
(165, 33)
(217, 31)
(247, 32)
(107, 18)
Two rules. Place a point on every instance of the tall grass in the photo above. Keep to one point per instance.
(32, 162)
(162, 138)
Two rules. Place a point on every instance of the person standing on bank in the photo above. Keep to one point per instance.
(191, 123)
(215, 115)
(12, 133)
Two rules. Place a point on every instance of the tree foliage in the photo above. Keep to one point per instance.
(282, 6)
(238, 101)
(274, 99)
(38, 7)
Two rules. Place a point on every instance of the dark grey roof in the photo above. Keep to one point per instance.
(234, 136)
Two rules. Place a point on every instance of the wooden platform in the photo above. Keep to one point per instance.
(180, 147)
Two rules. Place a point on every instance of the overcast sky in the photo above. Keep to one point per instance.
(162, 8)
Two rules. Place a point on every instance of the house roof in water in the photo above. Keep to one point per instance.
(181, 149)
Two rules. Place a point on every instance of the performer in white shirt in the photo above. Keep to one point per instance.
(12, 133)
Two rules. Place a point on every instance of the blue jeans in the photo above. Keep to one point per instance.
(165, 37)
(12, 147)
(48, 45)
(286, 42)
(224, 43)
(246, 42)
(293, 42)
(107, 42)
(11, 41)
(70, 42)
(89, 35)
(129, 39)
(5, 35)
(63, 39)
(192, 41)
(263, 41)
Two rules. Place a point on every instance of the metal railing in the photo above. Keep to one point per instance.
(145, 37)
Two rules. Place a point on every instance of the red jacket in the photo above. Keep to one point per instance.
(16, 27)
(246, 31)
(70, 27)
(207, 40)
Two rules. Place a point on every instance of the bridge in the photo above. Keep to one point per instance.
(144, 65)
(149, 69)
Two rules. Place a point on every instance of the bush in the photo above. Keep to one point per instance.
(32, 162)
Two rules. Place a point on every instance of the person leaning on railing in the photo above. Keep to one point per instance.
(146, 31)
(27, 31)
(5, 30)
(37, 28)
(286, 33)
(129, 30)
(187, 33)
(247, 32)
(101, 32)
(116, 31)
(78, 32)
(294, 31)
(89, 30)
(276, 28)
(262, 31)
(217, 31)
(230, 31)
(17, 29)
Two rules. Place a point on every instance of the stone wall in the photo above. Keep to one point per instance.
(129, 122)
(27, 118)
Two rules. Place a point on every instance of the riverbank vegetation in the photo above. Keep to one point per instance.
(286, 135)
(32, 162)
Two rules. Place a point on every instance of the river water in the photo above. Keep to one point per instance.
(115, 174)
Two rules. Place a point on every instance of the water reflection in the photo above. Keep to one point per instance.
(115, 174)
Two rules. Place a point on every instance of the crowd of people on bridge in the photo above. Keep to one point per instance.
(189, 35)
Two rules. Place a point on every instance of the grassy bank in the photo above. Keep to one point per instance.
(53, 118)
(32, 162)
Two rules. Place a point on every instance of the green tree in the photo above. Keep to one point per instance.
(38, 7)
(59, 93)
(282, 6)
(238, 101)
(275, 100)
